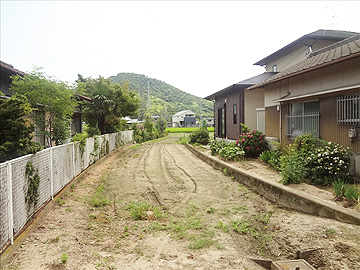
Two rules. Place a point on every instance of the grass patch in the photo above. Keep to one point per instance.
(186, 129)
(143, 211)
(60, 202)
(222, 226)
(203, 240)
(98, 200)
(64, 257)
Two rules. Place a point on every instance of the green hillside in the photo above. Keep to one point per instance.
(165, 99)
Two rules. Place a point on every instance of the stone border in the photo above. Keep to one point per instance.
(281, 194)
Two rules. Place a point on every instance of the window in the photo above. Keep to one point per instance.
(348, 110)
(303, 118)
(274, 68)
(234, 113)
(221, 121)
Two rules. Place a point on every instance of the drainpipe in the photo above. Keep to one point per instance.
(214, 104)
(280, 128)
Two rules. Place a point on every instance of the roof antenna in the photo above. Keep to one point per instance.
(309, 52)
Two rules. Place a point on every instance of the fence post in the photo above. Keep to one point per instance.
(10, 204)
(73, 158)
(51, 174)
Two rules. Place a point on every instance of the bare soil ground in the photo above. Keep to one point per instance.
(157, 206)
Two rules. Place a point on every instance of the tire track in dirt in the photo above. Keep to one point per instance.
(180, 168)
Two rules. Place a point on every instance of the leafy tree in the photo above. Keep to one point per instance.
(161, 124)
(110, 102)
(16, 132)
(52, 101)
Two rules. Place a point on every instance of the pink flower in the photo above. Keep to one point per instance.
(237, 142)
(243, 140)
(247, 147)
(262, 141)
(254, 131)
(257, 148)
(251, 136)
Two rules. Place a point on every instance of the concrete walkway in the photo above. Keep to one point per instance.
(281, 194)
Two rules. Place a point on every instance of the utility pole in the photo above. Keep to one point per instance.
(148, 100)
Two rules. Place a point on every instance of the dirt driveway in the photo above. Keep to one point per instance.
(157, 206)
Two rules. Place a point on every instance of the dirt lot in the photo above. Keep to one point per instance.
(157, 206)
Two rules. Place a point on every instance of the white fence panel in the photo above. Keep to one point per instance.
(4, 209)
(19, 187)
(41, 162)
(56, 167)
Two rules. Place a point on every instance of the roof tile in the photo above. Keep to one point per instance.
(336, 51)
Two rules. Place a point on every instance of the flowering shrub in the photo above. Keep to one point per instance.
(329, 162)
(253, 143)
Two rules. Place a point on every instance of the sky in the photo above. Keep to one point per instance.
(200, 47)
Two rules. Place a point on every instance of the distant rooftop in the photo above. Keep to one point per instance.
(182, 112)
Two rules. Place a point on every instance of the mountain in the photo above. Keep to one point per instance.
(166, 100)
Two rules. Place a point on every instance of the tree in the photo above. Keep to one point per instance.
(16, 132)
(52, 101)
(161, 124)
(110, 102)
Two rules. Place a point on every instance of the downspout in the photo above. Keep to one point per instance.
(280, 128)
(214, 119)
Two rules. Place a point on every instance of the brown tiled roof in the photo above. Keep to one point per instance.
(309, 39)
(337, 52)
(243, 84)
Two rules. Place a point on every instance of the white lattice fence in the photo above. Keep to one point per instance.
(56, 167)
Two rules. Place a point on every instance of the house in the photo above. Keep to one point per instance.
(77, 122)
(240, 103)
(319, 94)
(229, 107)
(209, 121)
(184, 118)
(8, 70)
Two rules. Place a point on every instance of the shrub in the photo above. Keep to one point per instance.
(351, 193)
(343, 190)
(271, 157)
(200, 135)
(292, 168)
(231, 151)
(328, 163)
(216, 146)
(253, 143)
(338, 187)
(306, 143)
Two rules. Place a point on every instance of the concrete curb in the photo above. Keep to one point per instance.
(281, 194)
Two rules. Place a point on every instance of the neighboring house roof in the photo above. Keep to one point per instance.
(182, 112)
(10, 69)
(337, 52)
(243, 84)
(309, 40)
